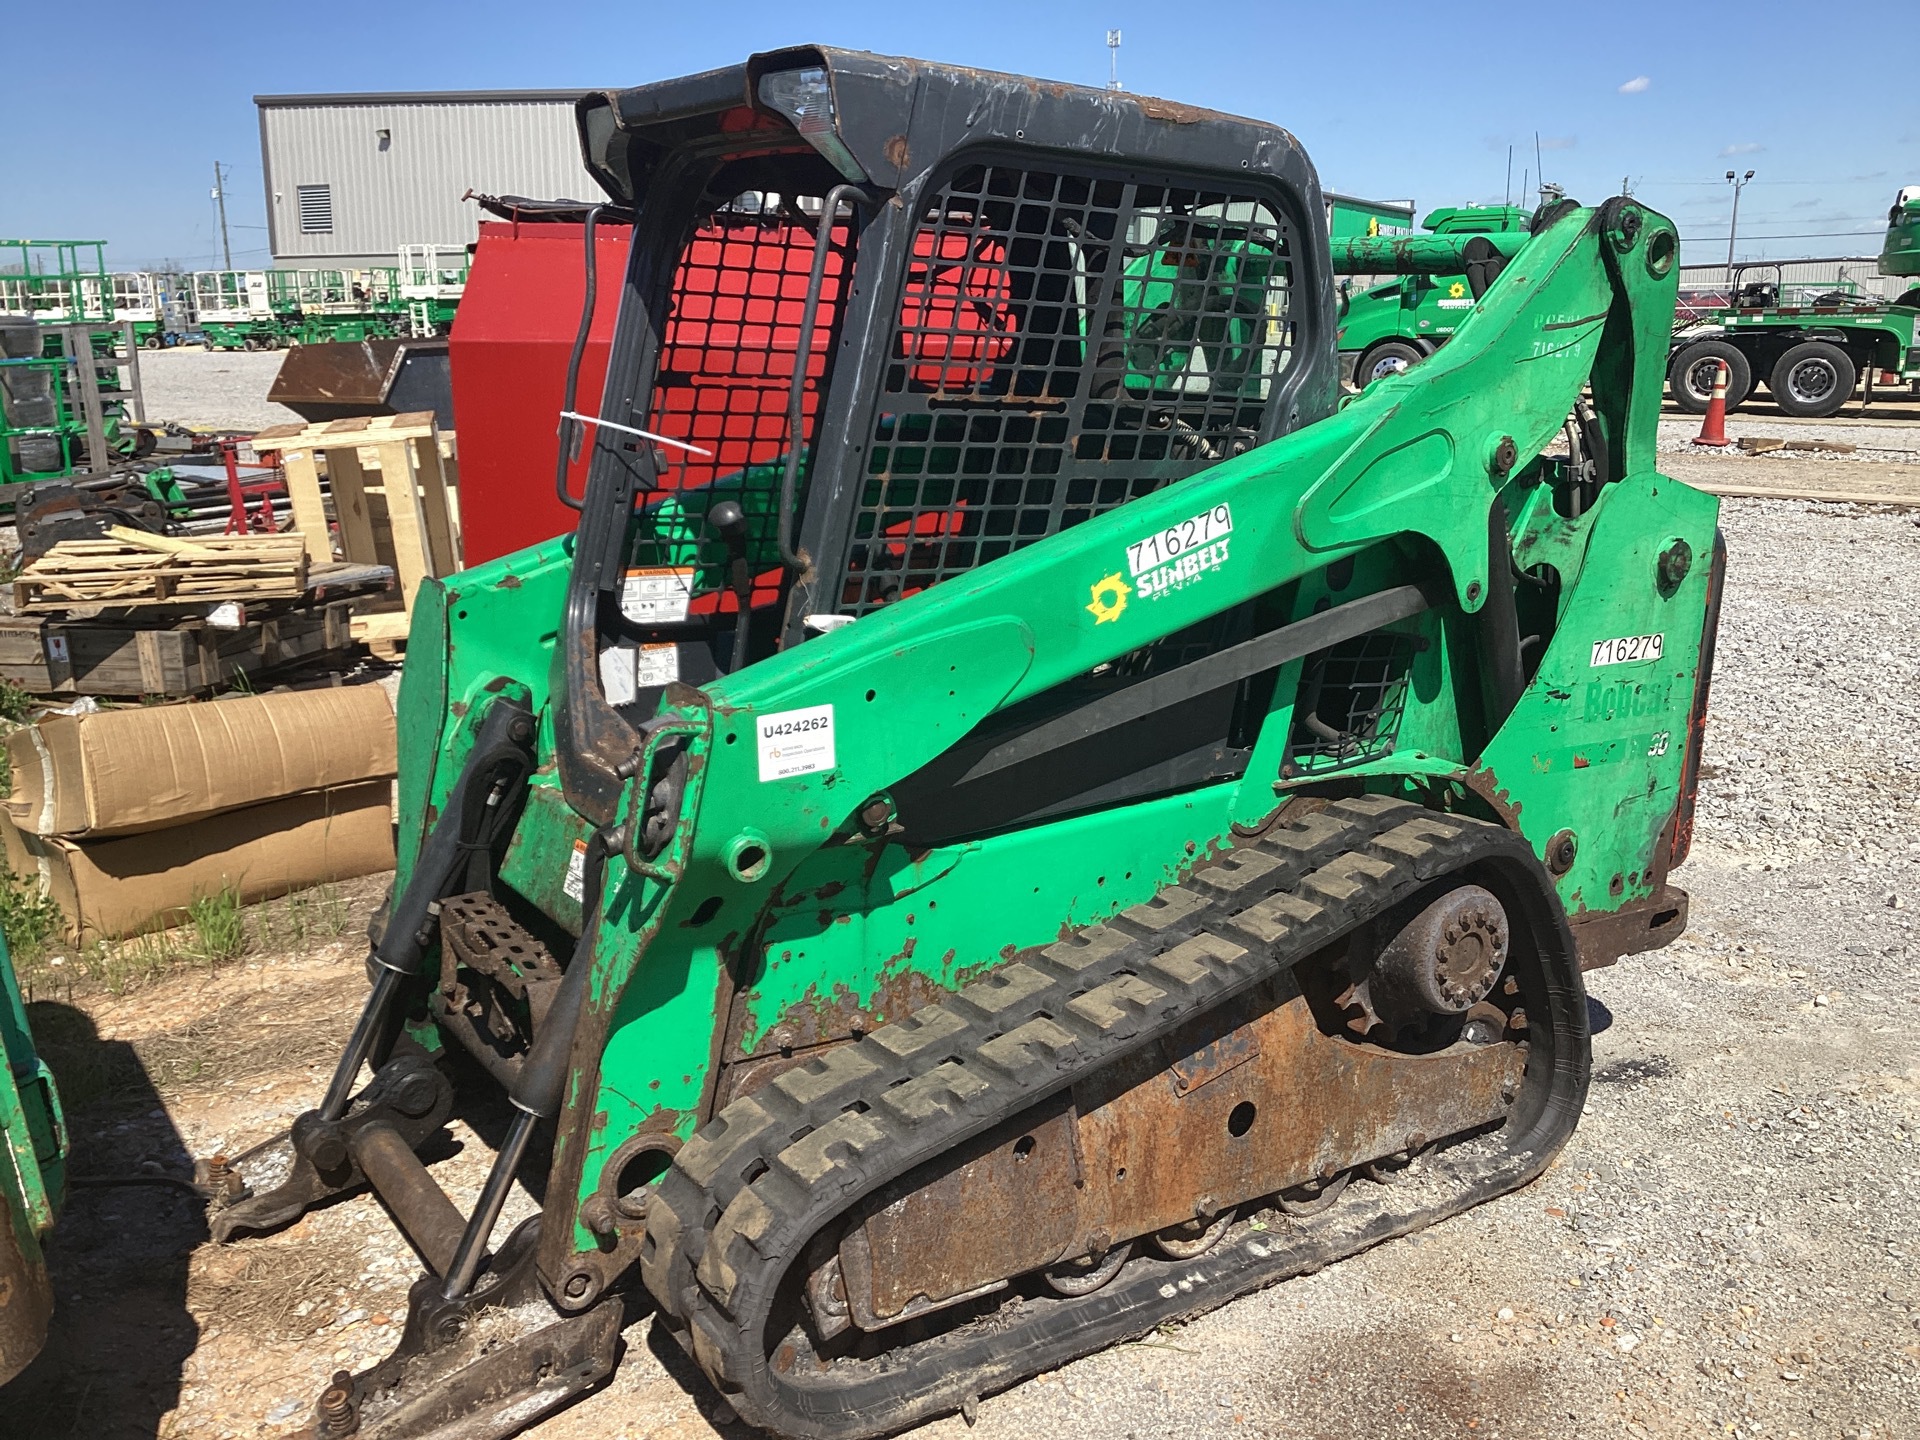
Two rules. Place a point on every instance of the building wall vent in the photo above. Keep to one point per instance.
(316, 209)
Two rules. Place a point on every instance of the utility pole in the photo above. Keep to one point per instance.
(220, 200)
(1733, 225)
(1113, 61)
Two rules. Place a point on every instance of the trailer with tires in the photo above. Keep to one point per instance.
(1812, 349)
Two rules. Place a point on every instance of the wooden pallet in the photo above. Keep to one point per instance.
(132, 568)
(125, 659)
(399, 511)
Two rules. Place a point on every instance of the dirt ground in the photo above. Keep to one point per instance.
(1724, 1248)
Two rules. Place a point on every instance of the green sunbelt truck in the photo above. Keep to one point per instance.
(1812, 347)
(1394, 323)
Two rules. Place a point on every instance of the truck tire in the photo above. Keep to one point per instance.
(1389, 357)
(1910, 300)
(1690, 375)
(1813, 378)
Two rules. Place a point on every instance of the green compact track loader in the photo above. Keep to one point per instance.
(1016, 817)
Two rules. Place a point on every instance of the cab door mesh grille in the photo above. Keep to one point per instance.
(725, 373)
(1065, 342)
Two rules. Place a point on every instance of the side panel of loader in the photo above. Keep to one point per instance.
(32, 1186)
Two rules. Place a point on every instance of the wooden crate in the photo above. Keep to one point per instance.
(125, 660)
(411, 527)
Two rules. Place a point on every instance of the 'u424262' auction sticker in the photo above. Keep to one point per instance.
(795, 742)
(1627, 648)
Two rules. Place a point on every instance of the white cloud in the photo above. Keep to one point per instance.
(1748, 147)
(1559, 142)
(1637, 85)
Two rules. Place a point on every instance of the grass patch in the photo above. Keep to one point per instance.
(14, 702)
(302, 918)
(217, 930)
(32, 922)
(219, 926)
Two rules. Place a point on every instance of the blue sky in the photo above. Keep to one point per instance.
(1392, 100)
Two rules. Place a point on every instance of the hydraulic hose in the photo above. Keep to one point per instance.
(570, 429)
(543, 1079)
(480, 811)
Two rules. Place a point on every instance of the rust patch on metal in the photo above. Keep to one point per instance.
(817, 1019)
(1601, 937)
(1484, 783)
(1008, 1186)
(1214, 1057)
(897, 151)
(1155, 108)
(508, 582)
(1243, 1104)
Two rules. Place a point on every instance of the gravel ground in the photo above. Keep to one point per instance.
(213, 389)
(1724, 1248)
(1893, 444)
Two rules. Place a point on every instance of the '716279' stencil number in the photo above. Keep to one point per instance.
(1624, 649)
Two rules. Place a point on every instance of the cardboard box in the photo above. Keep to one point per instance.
(112, 888)
(124, 772)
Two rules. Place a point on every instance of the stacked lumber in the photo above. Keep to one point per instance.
(132, 567)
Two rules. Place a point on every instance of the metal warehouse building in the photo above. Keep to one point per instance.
(352, 178)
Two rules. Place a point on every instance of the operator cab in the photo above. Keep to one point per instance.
(886, 321)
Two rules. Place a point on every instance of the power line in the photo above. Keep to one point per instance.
(1852, 180)
(1802, 235)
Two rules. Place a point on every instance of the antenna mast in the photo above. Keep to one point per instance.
(1113, 61)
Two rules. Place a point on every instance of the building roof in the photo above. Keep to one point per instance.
(421, 97)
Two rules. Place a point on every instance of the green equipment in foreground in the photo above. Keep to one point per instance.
(1811, 349)
(1396, 323)
(32, 1186)
(1038, 821)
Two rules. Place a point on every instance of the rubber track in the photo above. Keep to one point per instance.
(749, 1190)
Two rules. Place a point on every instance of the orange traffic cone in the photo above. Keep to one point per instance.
(1713, 428)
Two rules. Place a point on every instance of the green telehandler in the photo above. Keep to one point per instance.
(1016, 817)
